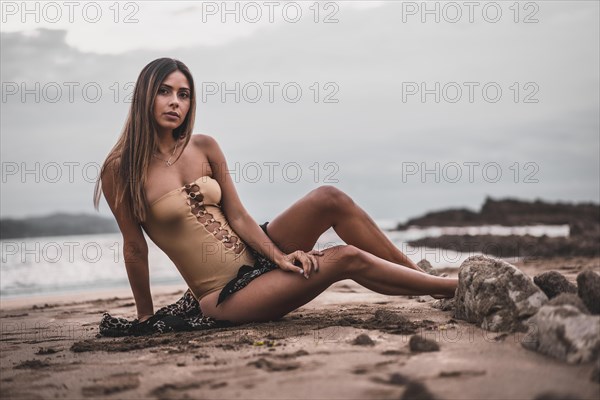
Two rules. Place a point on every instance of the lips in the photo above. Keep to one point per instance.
(173, 114)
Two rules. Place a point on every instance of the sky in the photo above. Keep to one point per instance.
(407, 107)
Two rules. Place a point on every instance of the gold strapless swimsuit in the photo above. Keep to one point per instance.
(189, 226)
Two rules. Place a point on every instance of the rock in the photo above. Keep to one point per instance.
(595, 376)
(588, 283)
(553, 284)
(363, 340)
(416, 391)
(418, 344)
(495, 295)
(115, 383)
(569, 298)
(398, 379)
(564, 332)
(427, 267)
(444, 304)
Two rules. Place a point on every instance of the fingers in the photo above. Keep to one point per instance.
(290, 264)
(313, 254)
(308, 262)
(302, 257)
(315, 262)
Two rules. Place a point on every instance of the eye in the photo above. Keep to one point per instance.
(163, 90)
(185, 95)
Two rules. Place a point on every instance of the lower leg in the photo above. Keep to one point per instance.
(385, 277)
(354, 226)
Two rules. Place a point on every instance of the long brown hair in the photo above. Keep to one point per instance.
(131, 155)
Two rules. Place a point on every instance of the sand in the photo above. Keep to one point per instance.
(49, 349)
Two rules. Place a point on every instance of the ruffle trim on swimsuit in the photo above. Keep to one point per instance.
(195, 200)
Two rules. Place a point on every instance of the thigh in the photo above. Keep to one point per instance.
(300, 226)
(272, 295)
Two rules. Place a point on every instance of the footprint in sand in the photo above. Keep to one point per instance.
(179, 390)
(33, 364)
(273, 366)
(343, 288)
(453, 374)
(115, 383)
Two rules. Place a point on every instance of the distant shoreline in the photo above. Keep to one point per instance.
(505, 212)
(57, 224)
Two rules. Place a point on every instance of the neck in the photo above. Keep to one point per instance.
(165, 143)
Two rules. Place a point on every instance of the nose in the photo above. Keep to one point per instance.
(174, 101)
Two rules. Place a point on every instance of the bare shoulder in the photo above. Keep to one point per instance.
(209, 147)
(108, 179)
(110, 170)
(203, 141)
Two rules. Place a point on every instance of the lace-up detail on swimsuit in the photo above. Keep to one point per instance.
(207, 219)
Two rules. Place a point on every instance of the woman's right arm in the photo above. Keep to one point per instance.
(135, 249)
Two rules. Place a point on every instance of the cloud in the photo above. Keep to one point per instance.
(368, 134)
(116, 28)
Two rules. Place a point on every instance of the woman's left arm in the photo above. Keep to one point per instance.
(239, 219)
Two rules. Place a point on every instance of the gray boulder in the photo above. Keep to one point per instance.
(553, 283)
(495, 295)
(588, 283)
(564, 332)
(569, 298)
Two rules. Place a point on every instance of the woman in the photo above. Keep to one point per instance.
(176, 186)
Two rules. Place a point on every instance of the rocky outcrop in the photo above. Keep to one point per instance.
(564, 332)
(514, 212)
(583, 220)
(588, 284)
(553, 283)
(495, 295)
(514, 245)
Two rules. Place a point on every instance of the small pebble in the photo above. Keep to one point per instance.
(418, 344)
(363, 340)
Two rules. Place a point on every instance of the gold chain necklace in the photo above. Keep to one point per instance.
(168, 162)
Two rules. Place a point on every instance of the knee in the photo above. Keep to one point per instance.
(349, 259)
(332, 199)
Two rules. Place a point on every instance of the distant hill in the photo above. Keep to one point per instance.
(511, 212)
(58, 224)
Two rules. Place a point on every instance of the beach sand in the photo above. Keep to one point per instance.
(49, 349)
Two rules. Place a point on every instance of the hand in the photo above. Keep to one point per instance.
(308, 262)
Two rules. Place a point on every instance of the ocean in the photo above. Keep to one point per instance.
(87, 263)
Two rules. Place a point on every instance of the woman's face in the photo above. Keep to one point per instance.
(172, 101)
